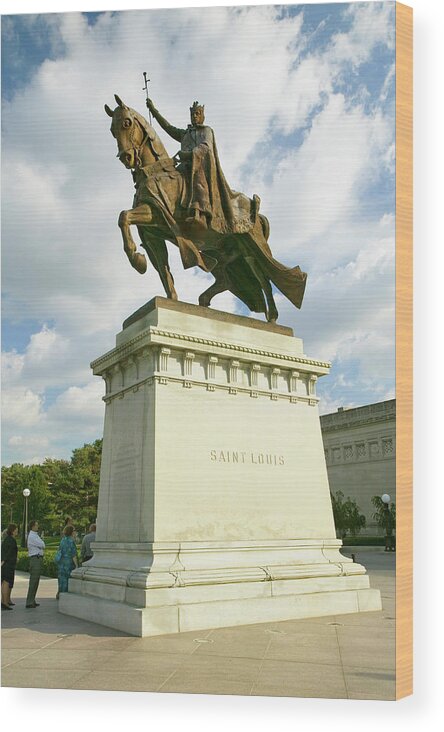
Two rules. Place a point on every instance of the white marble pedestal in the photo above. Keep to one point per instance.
(214, 506)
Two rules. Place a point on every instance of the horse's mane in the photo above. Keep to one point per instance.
(145, 125)
(149, 131)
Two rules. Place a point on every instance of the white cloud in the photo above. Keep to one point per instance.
(316, 188)
(44, 345)
(12, 366)
(20, 441)
(82, 403)
(371, 25)
(75, 417)
(21, 407)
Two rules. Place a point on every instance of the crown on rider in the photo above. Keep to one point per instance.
(197, 107)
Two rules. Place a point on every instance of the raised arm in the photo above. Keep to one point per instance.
(175, 132)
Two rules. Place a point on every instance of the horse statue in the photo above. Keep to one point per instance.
(234, 247)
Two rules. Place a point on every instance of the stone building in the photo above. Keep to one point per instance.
(360, 450)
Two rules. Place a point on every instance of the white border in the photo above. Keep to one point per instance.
(76, 710)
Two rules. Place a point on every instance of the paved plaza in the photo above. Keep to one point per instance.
(342, 656)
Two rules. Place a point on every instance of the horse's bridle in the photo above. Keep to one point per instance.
(136, 149)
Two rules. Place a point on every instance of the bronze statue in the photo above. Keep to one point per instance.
(187, 201)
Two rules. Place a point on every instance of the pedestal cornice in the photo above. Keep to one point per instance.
(154, 336)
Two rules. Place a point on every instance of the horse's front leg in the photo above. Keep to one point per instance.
(139, 216)
(158, 254)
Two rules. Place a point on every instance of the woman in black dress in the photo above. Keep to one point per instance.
(9, 561)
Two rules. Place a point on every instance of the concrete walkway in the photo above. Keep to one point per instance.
(343, 656)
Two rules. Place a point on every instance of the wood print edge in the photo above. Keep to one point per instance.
(404, 350)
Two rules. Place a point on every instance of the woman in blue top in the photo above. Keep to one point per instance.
(68, 560)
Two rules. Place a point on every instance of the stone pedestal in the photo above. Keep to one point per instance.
(214, 506)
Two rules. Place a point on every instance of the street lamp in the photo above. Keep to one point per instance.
(388, 524)
(26, 493)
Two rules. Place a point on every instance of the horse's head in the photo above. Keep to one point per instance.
(131, 131)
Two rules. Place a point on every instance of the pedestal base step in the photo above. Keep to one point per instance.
(167, 619)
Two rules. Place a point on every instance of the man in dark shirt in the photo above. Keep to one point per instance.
(9, 561)
(86, 553)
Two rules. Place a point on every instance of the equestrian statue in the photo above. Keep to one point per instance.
(186, 200)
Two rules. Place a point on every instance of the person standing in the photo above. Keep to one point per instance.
(68, 522)
(9, 561)
(86, 553)
(36, 548)
(68, 558)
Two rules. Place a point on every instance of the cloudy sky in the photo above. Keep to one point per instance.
(301, 99)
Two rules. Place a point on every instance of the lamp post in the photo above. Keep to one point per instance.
(26, 493)
(388, 523)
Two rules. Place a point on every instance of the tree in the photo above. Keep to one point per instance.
(85, 470)
(75, 485)
(58, 488)
(385, 515)
(14, 479)
(346, 515)
(57, 473)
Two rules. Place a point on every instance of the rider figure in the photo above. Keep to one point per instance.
(200, 164)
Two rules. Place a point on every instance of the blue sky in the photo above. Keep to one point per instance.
(301, 99)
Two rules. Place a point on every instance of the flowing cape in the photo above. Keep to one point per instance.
(239, 280)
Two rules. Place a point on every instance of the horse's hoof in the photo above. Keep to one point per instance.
(139, 263)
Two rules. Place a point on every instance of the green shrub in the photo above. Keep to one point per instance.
(49, 568)
(346, 515)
